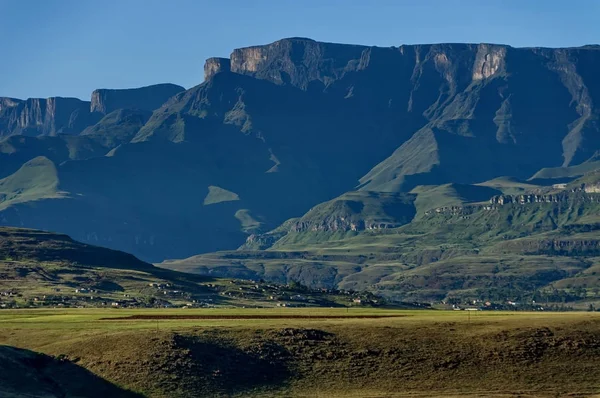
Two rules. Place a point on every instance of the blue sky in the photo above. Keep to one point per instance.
(71, 47)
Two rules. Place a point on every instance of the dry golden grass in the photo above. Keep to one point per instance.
(421, 353)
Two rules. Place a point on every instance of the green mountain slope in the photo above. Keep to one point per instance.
(117, 127)
(44, 269)
(434, 196)
(512, 246)
(35, 180)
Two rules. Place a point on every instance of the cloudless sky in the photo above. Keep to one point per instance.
(71, 47)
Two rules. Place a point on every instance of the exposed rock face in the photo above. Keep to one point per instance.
(490, 59)
(261, 241)
(592, 188)
(355, 212)
(589, 196)
(57, 115)
(216, 65)
(573, 196)
(8, 103)
(300, 61)
(145, 98)
(335, 224)
(464, 211)
(297, 61)
(51, 116)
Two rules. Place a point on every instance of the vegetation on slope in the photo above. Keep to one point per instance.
(480, 251)
(35, 180)
(42, 269)
(415, 353)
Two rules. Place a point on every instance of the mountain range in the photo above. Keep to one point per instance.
(324, 163)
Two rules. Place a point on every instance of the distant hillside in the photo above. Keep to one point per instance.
(47, 270)
(510, 246)
(32, 245)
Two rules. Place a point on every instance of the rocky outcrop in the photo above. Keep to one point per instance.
(297, 61)
(6, 102)
(261, 241)
(38, 116)
(574, 195)
(463, 211)
(490, 59)
(592, 188)
(58, 115)
(215, 65)
(341, 224)
(144, 98)
(355, 212)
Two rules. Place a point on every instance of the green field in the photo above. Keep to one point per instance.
(292, 352)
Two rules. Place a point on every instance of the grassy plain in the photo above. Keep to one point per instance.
(406, 353)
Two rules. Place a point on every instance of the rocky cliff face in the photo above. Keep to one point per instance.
(145, 98)
(6, 103)
(575, 196)
(57, 115)
(579, 195)
(51, 116)
(216, 65)
(297, 61)
(490, 59)
(300, 61)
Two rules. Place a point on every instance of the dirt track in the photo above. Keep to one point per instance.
(242, 317)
